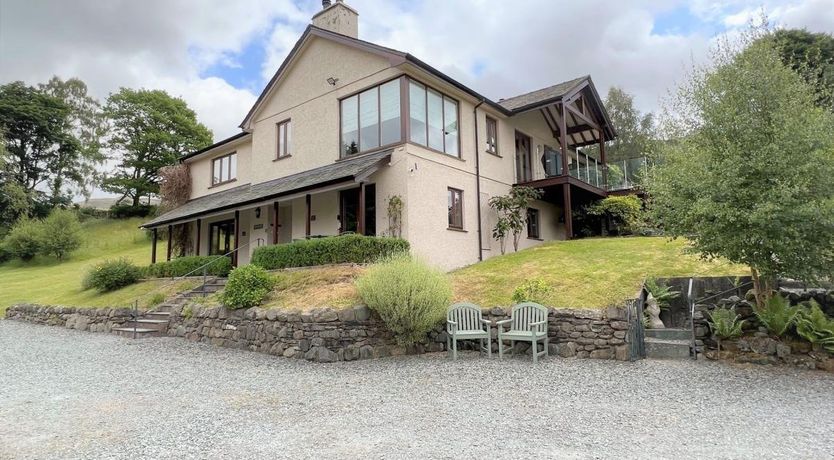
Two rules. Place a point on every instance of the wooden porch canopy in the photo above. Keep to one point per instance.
(576, 116)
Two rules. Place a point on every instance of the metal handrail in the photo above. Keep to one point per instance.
(135, 314)
(693, 302)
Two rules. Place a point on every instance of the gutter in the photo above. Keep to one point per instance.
(478, 182)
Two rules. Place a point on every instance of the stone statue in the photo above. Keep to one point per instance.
(653, 311)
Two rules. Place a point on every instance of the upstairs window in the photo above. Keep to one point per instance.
(371, 119)
(492, 135)
(533, 225)
(224, 169)
(284, 139)
(455, 203)
(433, 119)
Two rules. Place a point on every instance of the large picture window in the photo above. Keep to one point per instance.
(433, 119)
(224, 169)
(371, 119)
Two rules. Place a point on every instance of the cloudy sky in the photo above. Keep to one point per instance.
(218, 54)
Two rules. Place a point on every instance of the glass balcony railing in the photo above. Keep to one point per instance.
(624, 174)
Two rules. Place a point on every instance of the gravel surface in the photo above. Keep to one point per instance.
(69, 394)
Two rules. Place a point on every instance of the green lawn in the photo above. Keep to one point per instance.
(48, 281)
(585, 273)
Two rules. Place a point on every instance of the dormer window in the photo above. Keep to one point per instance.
(371, 119)
(224, 169)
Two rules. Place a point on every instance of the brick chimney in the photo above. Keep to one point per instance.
(338, 17)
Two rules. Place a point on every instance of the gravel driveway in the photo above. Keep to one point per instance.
(69, 394)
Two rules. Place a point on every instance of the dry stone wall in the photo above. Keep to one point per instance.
(329, 335)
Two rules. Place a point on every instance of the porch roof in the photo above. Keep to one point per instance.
(341, 171)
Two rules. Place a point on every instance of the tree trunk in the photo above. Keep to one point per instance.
(136, 199)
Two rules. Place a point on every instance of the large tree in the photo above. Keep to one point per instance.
(88, 125)
(812, 55)
(635, 130)
(149, 130)
(42, 150)
(750, 174)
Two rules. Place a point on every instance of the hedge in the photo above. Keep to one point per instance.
(331, 250)
(182, 266)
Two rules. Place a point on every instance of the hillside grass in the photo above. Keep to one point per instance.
(585, 273)
(45, 280)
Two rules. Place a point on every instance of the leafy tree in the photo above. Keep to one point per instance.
(24, 239)
(42, 149)
(812, 55)
(14, 201)
(87, 124)
(512, 213)
(61, 233)
(750, 176)
(150, 130)
(635, 130)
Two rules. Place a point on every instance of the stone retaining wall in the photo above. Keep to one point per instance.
(82, 319)
(328, 335)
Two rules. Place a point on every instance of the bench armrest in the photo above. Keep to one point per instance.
(486, 321)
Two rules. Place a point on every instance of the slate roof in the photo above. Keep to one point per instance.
(545, 94)
(341, 171)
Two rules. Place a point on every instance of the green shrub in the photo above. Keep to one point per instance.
(61, 233)
(111, 275)
(125, 211)
(409, 296)
(624, 212)
(777, 315)
(662, 293)
(534, 290)
(814, 326)
(181, 266)
(724, 324)
(248, 286)
(332, 250)
(25, 239)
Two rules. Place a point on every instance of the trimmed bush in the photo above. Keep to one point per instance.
(534, 290)
(332, 250)
(409, 296)
(111, 275)
(24, 240)
(61, 233)
(248, 286)
(220, 266)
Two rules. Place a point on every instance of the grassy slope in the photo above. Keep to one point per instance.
(45, 280)
(585, 273)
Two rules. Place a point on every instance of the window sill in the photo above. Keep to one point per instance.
(447, 155)
(535, 238)
(453, 229)
(282, 157)
(220, 184)
(495, 154)
(344, 157)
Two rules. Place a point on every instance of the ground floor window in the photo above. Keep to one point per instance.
(221, 237)
(533, 227)
(455, 203)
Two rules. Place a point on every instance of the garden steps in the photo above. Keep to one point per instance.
(160, 325)
(657, 348)
(669, 334)
(140, 332)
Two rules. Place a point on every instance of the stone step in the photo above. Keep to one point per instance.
(141, 333)
(160, 325)
(666, 349)
(161, 315)
(669, 334)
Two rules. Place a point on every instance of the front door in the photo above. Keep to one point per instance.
(523, 158)
(221, 237)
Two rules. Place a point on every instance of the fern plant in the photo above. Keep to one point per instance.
(777, 315)
(662, 293)
(724, 324)
(813, 326)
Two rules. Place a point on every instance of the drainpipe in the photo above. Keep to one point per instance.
(478, 182)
